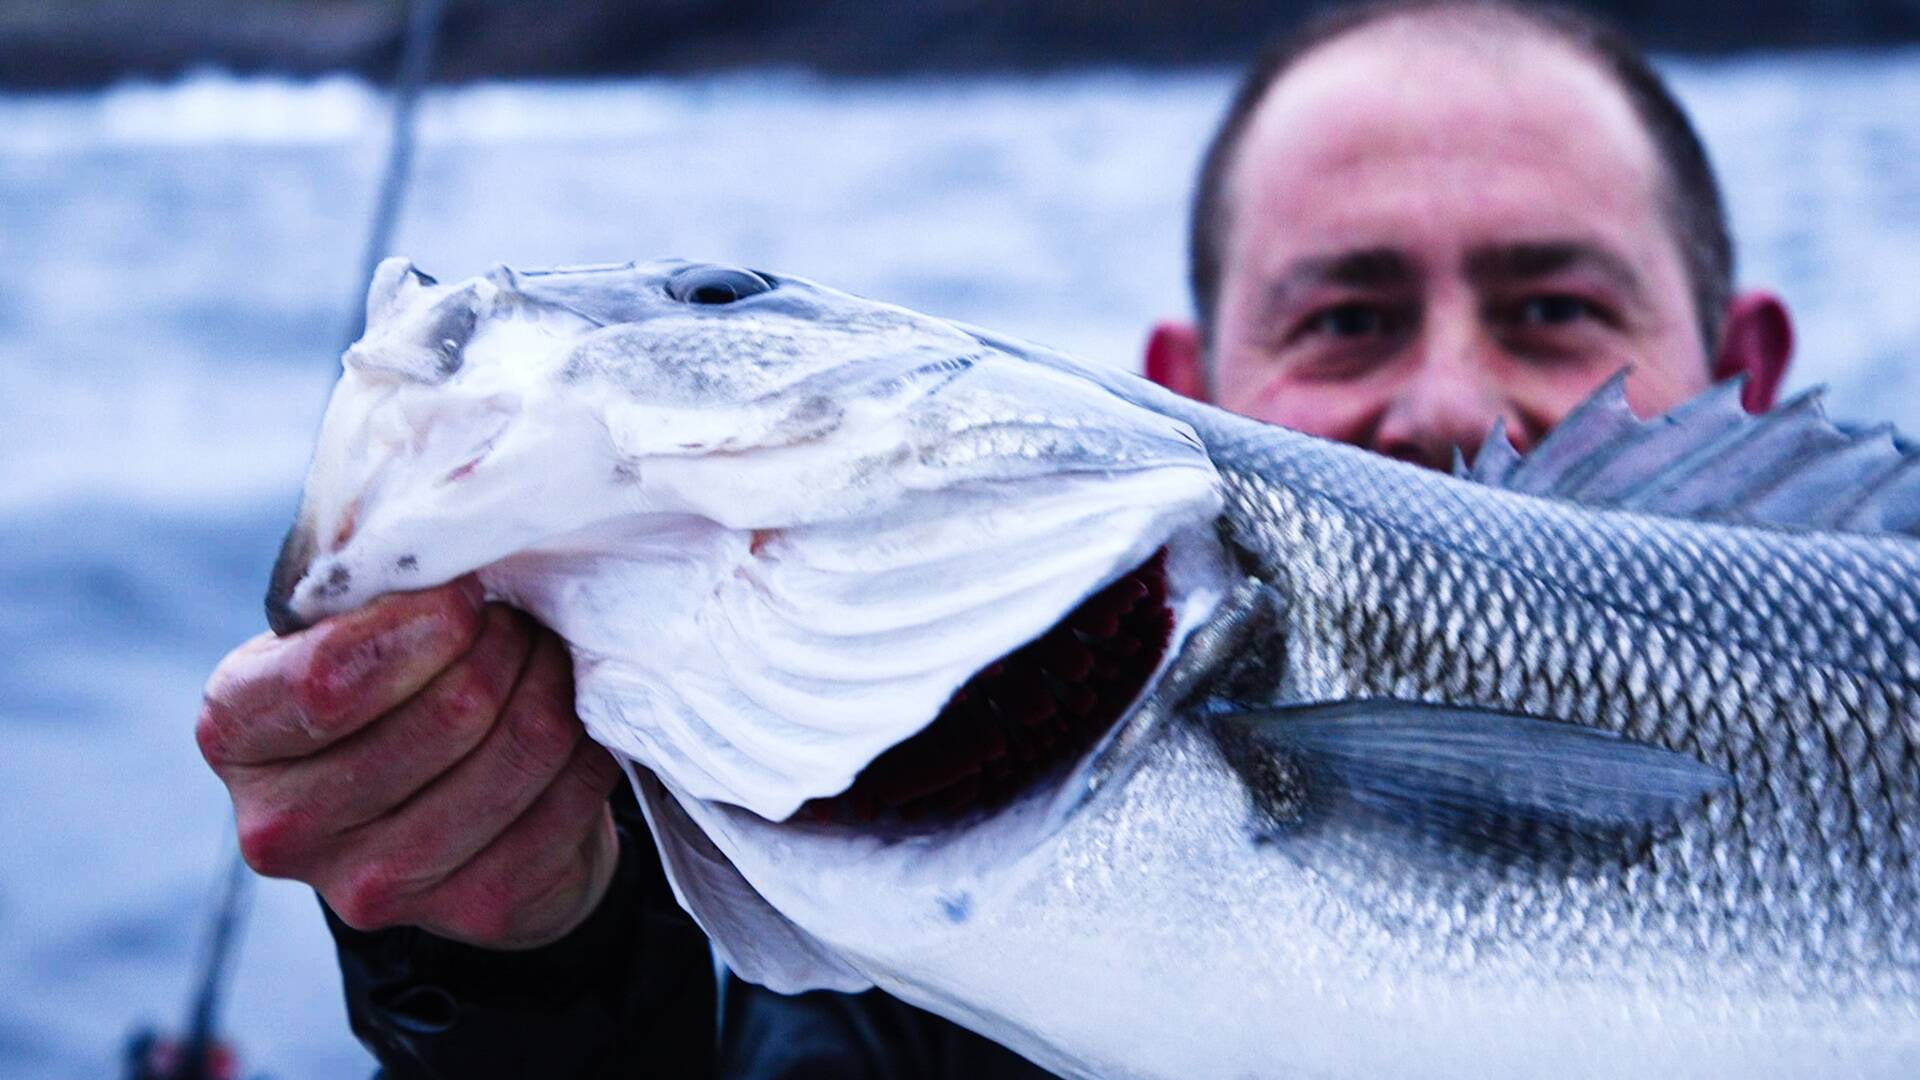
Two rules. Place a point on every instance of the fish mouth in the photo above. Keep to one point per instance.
(1023, 720)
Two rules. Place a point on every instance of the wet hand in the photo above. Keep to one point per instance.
(418, 761)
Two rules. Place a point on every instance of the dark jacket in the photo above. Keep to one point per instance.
(631, 993)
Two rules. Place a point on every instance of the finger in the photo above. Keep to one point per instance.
(278, 698)
(530, 882)
(545, 874)
(291, 814)
(454, 818)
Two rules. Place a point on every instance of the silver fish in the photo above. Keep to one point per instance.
(1153, 741)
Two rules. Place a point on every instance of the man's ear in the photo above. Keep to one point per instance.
(1757, 341)
(1176, 358)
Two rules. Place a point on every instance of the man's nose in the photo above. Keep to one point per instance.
(1448, 399)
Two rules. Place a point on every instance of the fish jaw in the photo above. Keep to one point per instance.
(414, 484)
(777, 536)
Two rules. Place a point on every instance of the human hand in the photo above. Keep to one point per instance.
(418, 761)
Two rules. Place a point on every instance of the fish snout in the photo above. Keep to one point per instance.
(296, 554)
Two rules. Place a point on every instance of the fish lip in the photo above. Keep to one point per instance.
(289, 567)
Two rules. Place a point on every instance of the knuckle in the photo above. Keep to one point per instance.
(211, 731)
(355, 668)
(273, 843)
(322, 691)
(372, 899)
(466, 694)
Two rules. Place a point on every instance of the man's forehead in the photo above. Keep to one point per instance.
(1438, 104)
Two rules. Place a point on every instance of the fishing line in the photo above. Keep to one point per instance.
(416, 61)
(202, 1054)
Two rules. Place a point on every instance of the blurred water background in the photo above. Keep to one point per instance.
(181, 258)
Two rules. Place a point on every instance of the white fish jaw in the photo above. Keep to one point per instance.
(777, 538)
(415, 482)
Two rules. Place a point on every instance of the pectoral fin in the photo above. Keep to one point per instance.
(1470, 776)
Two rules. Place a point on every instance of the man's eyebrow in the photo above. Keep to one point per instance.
(1525, 261)
(1367, 268)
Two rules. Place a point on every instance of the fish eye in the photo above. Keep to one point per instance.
(715, 285)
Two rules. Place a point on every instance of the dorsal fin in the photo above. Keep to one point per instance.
(1708, 458)
(1497, 458)
(1595, 430)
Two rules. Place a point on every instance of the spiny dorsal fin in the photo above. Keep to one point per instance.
(1497, 458)
(1708, 458)
(1597, 427)
(1891, 503)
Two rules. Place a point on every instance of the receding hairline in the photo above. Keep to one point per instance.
(1679, 171)
(1472, 28)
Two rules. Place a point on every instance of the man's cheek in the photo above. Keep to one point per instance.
(1653, 389)
(1339, 411)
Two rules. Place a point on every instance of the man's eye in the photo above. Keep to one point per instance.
(1351, 321)
(1555, 310)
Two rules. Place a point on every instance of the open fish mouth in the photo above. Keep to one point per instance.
(1023, 720)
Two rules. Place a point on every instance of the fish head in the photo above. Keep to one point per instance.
(827, 562)
(475, 418)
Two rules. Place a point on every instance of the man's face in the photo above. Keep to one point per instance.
(1429, 233)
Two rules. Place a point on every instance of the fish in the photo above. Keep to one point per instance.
(1150, 740)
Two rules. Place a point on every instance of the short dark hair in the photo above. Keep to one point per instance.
(1693, 208)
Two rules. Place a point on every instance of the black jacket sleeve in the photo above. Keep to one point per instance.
(872, 1036)
(630, 993)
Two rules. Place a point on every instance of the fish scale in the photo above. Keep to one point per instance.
(1589, 594)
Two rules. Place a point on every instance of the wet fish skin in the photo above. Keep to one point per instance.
(1789, 660)
(1773, 931)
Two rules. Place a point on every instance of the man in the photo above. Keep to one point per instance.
(1454, 217)
(1415, 223)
